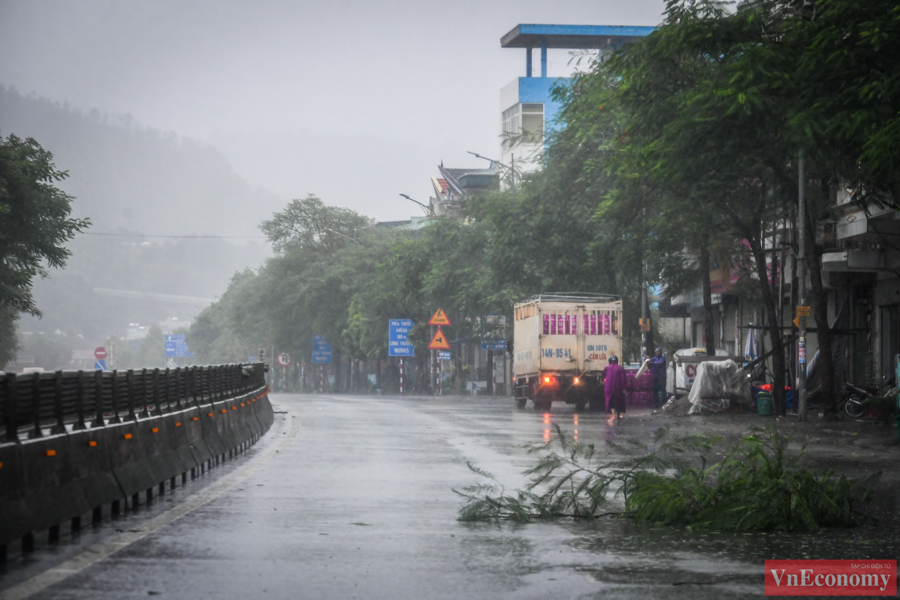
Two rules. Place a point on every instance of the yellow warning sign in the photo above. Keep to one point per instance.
(439, 341)
(439, 318)
(802, 311)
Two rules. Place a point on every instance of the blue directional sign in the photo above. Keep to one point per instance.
(100, 365)
(321, 351)
(398, 337)
(498, 345)
(444, 355)
(176, 347)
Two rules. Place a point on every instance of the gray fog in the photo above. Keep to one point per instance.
(355, 102)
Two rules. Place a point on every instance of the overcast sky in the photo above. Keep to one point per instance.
(353, 101)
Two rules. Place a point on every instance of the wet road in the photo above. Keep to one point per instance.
(350, 497)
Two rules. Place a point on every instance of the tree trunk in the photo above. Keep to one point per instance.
(708, 328)
(337, 369)
(823, 330)
(778, 370)
(379, 384)
(490, 372)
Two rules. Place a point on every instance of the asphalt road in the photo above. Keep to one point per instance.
(351, 497)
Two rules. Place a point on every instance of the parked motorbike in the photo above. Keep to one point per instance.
(852, 402)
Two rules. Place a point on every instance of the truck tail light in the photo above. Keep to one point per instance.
(577, 381)
(546, 380)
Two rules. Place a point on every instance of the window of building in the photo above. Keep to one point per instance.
(511, 125)
(523, 123)
(533, 123)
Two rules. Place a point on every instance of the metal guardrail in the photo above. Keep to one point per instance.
(38, 404)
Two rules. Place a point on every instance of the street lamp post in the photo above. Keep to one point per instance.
(429, 212)
(511, 169)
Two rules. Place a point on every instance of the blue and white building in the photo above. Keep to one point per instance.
(526, 106)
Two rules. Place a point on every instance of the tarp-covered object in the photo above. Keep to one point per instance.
(717, 384)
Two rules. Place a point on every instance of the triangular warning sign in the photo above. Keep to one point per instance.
(439, 318)
(439, 341)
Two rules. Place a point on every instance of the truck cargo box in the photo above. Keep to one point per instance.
(563, 340)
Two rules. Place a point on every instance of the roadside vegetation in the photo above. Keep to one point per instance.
(694, 481)
(35, 224)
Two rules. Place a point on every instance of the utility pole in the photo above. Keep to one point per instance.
(645, 315)
(803, 308)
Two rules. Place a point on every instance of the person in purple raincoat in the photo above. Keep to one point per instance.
(658, 369)
(614, 385)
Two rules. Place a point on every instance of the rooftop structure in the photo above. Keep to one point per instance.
(454, 185)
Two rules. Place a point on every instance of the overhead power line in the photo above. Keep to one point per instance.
(202, 237)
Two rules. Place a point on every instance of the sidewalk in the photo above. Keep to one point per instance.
(855, 448)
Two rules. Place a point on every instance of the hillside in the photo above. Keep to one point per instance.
(135, 183)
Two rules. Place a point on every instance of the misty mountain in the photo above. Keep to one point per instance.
(154, 199)
(127, 176)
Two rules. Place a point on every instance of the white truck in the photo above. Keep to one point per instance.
(562, 344)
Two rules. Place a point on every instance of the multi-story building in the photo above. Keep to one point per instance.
(527, 107)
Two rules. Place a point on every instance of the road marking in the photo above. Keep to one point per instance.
(97, 552)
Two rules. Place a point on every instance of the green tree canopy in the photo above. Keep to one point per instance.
(34, 226)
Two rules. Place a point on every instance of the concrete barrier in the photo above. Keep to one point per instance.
(48, 480)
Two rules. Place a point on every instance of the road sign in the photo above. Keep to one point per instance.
(439, 318)
(176, 347)
(498, 345)
(802, 311)
(398, 338)
(284, 359)
(100, 353)
(321, 351)
(439, 341)
(100, 365)
(444, 355)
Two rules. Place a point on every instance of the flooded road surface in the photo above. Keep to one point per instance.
(351, 497)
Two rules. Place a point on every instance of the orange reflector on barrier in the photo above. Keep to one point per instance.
(224, 411)
(155, 430)
(127, 436)
(51, 452)
(242, 404)
(197, 418)
(1, 465)
(177, 424)
(92, 444)
(234, 408)
(210, 414)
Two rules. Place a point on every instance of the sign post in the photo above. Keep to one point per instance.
(176, 347)
(398, 342)
(321, 355)
(438, 342)
(437, 319)
(803, 309)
